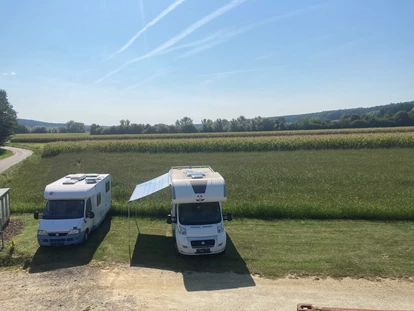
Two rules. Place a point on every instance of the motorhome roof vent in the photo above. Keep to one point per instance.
(90, 180)
(92, 175)
(195, 175)
(77, 177)
(69, 181)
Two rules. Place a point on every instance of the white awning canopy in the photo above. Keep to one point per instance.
(150, 187)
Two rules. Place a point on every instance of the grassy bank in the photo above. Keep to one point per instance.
(329, 184)
(5, 153)
(269, 248)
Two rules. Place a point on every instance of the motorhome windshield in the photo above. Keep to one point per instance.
(199, 213)
(64, 209)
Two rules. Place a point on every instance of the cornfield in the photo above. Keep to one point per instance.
(238, 144)
(47, 138)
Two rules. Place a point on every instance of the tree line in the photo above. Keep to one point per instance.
(71, 127)
(382, 118)
(401, 114)
(396, 115)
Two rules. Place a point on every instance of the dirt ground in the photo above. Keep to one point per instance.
(14, 228)
(134, 288)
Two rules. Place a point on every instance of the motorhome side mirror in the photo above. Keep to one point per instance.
(91, 215)
(228, 217)
(36, 215)
(171, 219)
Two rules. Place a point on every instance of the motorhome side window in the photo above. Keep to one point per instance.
(108, 186)
(88, 206)
(98, 199)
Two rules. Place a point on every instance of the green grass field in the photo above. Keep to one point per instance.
(270, 248)
(327, 184)
(5, 153)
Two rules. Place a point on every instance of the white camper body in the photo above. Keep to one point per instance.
(196, 210)
(76, 205)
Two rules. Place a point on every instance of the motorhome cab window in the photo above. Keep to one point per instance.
(88, 206)
(98, 199)
(199, 213)
(64, 209)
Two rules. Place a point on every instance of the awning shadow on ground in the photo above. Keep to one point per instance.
(53, 258)
(157, 251)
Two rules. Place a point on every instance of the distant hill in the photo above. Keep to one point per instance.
(336, 114)
(34, 123)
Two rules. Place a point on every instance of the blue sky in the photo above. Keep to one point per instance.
(156, 61)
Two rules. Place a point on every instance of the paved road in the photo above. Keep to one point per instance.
(18, 156)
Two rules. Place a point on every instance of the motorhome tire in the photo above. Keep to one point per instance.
(85, 237)
(176, 249)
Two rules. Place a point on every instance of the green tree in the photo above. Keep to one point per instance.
(21, 129)
(206, 126)
(218, 125)
(95, 129)
(8, 118)
(39, 130)
(75, 127)
(185, 125)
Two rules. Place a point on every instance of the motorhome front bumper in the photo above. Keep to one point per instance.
(60, 239)
(201, 246)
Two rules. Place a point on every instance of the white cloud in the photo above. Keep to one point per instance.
(224, 9)
(223, 37)
(12, 73)
(233, 72)
(151, 23)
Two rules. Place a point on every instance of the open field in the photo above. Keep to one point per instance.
(326, 184)
(291, 247)
(46, 138)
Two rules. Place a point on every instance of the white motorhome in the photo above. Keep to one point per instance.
(196, 211)
(76, 205)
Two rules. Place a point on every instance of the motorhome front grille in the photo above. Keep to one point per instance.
(57, 234)
(57, 242)
(202, 243)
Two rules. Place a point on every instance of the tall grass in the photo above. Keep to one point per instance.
(250, 144)
(330, 184)
(46, 138)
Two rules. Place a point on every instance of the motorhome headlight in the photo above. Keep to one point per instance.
(41, 232)
(182, 230)
(220, 228)
(74, 231)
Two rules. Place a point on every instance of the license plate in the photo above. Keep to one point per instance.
(203, 250)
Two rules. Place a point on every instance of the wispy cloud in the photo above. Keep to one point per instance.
(147, 26)
(230, 34)
(344, 46)
(234, 71)
(264, 56)
(142, 12)
(230, 6)
(159, 73)
(12, 73)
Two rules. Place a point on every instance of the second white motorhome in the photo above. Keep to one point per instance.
(196, 213)
(76, 205)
